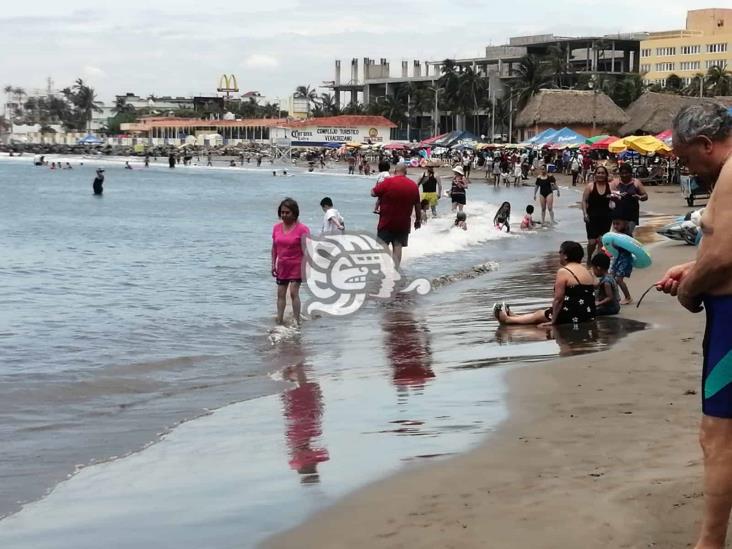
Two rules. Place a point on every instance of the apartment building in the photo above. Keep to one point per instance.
(705, 42)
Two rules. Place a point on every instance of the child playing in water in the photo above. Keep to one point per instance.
(332, 220)
(528, 221)
(501, 220)
(623, 263)
(425, 208)
(460, 221)
(607, 297)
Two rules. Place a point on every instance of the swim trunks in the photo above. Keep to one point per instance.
(717, 372)
(623, 264)
(431, 198)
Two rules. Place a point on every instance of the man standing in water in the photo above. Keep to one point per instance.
(398, 197)
(702, 135)
(98, 184)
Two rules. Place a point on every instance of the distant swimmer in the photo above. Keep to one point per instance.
(147, 160)
(68, 166)
(98, 184)
(171, 160)
(127, 165)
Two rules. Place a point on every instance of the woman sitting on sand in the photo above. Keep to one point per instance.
(574, 299)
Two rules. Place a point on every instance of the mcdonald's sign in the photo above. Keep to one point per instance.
(227, 84)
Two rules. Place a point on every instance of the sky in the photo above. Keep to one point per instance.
(181, 47)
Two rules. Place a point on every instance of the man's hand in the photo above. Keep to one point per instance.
(417, 223)
(689, 302)
(670, 282)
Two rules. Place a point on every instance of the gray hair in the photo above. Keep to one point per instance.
(401, 168)
(705, 119)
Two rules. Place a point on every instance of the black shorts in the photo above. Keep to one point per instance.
(391, 237)
(596, 227)
(458, 199)
(286, 281)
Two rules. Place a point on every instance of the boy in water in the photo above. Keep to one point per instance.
(623, 263)
(460, 221)
(528, 221)
(607, 297)
(332, 220)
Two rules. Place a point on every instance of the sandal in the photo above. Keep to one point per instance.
(497, 310)
(506, 308)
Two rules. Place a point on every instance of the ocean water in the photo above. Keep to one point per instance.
(123, 316)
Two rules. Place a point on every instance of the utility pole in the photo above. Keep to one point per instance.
(436, 119)
(510, 118)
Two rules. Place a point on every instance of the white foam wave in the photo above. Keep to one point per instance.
(439, 236)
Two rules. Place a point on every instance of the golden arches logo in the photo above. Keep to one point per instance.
(228, 84)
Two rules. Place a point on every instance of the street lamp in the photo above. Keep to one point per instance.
(592, 85)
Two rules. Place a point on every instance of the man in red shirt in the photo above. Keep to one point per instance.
(398, 196)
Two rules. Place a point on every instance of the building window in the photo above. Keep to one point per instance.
(665, 51)
(690, 65)
(690, 50)
(646, 52)
(721, 63)
(717, 48)
(645, 67)
(665, 66)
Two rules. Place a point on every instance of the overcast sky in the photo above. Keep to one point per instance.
(181, 47)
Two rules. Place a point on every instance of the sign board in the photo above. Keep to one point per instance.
(317, 135)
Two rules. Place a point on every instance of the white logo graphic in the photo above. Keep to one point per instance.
(342, 270)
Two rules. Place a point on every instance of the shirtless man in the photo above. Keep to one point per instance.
(703, 143)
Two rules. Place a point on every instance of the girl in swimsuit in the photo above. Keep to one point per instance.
(574, 294)
(545, 186)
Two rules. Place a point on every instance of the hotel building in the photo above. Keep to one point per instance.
(705, 42)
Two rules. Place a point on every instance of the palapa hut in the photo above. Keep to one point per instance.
(654, 112)
(575, 109)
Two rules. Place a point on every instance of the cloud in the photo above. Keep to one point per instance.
(261, 61)
(90, 71)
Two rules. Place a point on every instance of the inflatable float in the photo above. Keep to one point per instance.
(685, 228)
(612, 241)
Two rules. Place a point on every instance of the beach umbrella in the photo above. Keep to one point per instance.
(644, 144)
(596, 138)
(90, 139)
(666, 136)
(603, 144)
(395, 147)
(564, 138)
(538, 137)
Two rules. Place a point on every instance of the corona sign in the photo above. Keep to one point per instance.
(227, 85)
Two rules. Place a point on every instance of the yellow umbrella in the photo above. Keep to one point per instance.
(644, 144)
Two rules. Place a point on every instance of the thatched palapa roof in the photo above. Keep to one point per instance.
(654, 112)
(571, 107)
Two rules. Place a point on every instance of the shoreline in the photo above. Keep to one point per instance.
(597, 450)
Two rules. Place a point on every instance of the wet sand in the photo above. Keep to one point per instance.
(599, 450)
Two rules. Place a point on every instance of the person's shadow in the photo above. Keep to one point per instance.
(302, 408)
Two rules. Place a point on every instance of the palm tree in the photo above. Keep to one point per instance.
(532, 75)
(557, 62)
(449, 85)
(122, 106)
(718, 80)
(472, 93)
(327, 104)
(84, 100)
(627, 90)
(695, 86)
(307, 93)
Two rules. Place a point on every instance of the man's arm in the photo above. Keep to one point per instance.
(378, 190)
(641, 191)
(417, 211)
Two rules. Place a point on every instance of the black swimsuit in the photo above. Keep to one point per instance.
(545, 185)
(579, 303)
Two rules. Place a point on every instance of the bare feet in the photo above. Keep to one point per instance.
(626, 301)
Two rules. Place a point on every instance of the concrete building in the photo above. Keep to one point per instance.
(163, 103)
(706, 41)
(610, 54)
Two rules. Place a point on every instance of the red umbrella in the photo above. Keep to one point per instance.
(604, 143)
(666, 137)
(395, 146)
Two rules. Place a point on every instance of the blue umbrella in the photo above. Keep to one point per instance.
(90, 139)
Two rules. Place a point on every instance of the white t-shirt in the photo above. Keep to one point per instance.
(329, 222)
(382, 176)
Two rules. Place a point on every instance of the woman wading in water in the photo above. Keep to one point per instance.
(287, 257)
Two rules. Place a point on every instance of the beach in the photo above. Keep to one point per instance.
(192, 428)
(598, 450)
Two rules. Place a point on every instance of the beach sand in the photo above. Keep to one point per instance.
(599, 450)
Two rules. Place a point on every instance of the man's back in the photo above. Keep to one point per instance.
(398, 197)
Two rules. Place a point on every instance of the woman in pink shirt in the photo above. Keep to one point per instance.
(287, 257)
